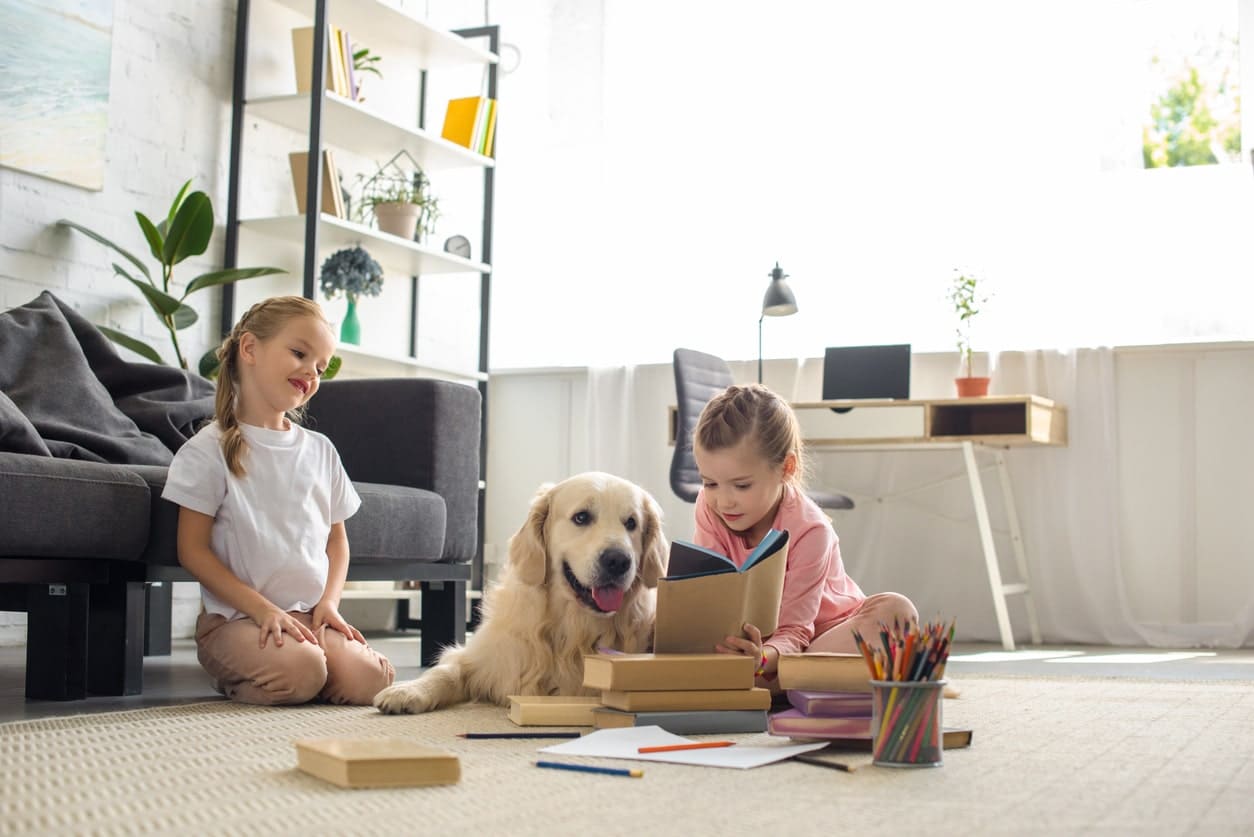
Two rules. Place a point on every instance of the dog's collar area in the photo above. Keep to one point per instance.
(582, 592)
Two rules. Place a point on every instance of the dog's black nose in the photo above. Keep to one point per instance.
(615, 563)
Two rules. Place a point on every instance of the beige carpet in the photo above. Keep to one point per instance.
(1056, 756)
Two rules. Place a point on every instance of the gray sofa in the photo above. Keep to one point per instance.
(87, 547)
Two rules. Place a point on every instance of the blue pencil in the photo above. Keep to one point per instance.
(520, 735)
(587, 768)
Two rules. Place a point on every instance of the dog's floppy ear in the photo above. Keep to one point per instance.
(656, 548)
(528, 553)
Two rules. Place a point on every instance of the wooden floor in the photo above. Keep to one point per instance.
(179, 678)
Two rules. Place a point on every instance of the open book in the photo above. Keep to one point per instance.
(705, 598)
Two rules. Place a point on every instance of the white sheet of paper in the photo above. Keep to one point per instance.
(625, 743)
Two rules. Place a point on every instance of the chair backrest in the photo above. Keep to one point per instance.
(698, 378)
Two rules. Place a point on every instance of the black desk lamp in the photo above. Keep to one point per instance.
(778, 302)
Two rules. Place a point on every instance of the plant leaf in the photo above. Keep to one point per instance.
(131, 343)
(106, 242)
(174, 206)
(184, 316)
(191, 229)
(333, 367)
(209, 364)
(223, 277)
(162, 303)
(156, 241)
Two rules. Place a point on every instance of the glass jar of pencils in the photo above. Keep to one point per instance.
(906, 723)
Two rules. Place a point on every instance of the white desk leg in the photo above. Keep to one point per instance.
(1016, 539)
(990, 550)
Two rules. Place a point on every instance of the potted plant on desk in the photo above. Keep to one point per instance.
(967, 295)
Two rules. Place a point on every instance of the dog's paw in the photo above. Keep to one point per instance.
(405, 699)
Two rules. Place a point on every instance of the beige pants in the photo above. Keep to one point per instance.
(882, 607)
(337, 670)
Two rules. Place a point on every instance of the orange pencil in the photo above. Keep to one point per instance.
(696, 745)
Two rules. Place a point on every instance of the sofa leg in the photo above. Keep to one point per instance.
(158, 610)
(56, 642)
(443, 618)
(115, 651)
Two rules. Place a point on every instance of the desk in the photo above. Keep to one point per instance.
(993, 423)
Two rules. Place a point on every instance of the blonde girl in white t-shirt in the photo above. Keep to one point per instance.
(261, 524)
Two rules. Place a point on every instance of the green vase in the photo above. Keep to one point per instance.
(350, 329)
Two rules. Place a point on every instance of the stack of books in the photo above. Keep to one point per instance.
(685, 694)
(830, 696)
(471, 122)
(340, 77)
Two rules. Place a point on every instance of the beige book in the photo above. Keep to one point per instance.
(552, 710)
(302, 56)
(688, 699)
(376, 762)
(332, 201)
(706, 598)
(655, 672)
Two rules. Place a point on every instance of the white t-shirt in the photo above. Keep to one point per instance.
(270, 527)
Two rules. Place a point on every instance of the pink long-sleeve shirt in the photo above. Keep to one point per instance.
(817, 592)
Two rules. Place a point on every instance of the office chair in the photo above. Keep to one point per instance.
(698, 378)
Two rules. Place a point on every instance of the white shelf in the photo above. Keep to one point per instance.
(376, 23)
(348, 125)
(288, 231)
(359, 362)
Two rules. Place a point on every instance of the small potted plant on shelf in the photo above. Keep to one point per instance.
(364, 62)
(966, 294)
(351, 272)
(398, 198)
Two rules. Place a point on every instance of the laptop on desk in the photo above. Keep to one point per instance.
(856, 372)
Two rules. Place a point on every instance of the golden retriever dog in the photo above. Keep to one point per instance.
(581, 576)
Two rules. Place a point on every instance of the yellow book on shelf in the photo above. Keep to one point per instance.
(376, 762)
(459, 120)
(489, 132)
(552, 710)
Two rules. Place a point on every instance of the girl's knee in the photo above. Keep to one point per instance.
(888, 607)
(299, 680)
(357, 682)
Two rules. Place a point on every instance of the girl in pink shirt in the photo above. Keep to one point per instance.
(747, 444)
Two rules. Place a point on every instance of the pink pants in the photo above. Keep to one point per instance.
(337, 670)
(882, 607)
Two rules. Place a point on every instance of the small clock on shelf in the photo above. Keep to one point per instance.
(458, 245)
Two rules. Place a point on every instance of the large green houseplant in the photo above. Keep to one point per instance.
(183, 233)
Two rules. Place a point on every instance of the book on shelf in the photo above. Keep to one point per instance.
(471, 122)
(830, 704)
(705, 597)
(332, 198)
(695, 722)
(687, 699)
(346, 55)
(660, 672)
(302, 55)
(376, 762)
(552, 710)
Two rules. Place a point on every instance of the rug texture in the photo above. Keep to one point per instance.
(1050, 756)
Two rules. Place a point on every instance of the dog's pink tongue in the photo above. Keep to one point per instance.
(608, 599)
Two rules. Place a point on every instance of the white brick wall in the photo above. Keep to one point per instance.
(169, 120)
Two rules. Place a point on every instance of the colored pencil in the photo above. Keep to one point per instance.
(588, 768)
(696, 745)
(806, 758)
(520, 735)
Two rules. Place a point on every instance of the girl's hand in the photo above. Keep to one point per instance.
(278, 622)
(325, 613)
(751, 647)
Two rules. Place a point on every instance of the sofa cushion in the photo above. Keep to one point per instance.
(394, 523)
(61, 508)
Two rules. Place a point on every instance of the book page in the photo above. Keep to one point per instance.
(688, 559)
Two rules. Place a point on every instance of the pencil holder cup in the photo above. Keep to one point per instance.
(906, 723)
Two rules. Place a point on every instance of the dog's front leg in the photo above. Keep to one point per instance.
(442, 685)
